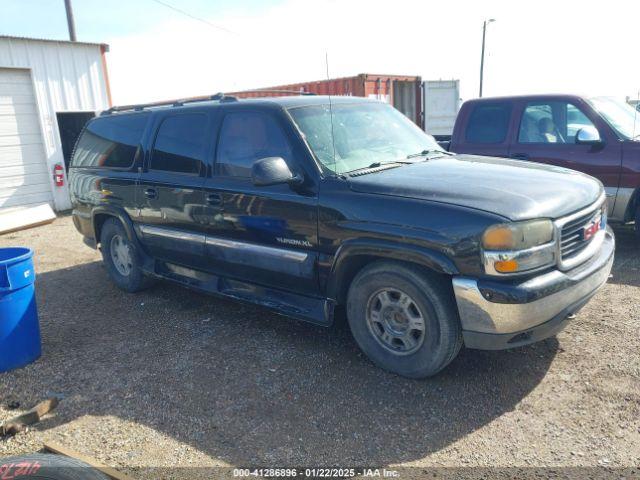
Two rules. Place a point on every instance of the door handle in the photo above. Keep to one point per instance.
(214, 199)
(520, 156)
(150, 193)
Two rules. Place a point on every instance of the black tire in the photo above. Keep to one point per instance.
(637, 219)
(129, 279)
(432, 301)
(48, 467)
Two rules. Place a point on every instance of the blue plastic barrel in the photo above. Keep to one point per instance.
(19, 328)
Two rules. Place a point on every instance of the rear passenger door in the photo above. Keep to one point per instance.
(487, 128)
(170, 191)
(265, 235)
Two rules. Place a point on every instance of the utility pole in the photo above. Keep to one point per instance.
(484, 34)
(70, 22)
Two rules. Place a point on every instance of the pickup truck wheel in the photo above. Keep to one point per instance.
(637, 226)
(121, 258)
(404, 319)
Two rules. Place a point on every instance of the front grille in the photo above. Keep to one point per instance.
(572, 240)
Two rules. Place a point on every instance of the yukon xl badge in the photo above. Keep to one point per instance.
(293, 241)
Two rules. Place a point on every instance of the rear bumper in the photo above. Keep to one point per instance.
(496, 315)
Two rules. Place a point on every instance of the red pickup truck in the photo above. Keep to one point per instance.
(599, 136)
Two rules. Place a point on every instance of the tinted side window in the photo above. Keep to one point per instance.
(110, 141)
(246, 137)
(180, 144)
(488, 123)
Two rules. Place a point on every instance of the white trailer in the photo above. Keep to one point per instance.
(441, 102)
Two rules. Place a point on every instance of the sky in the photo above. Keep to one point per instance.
(584, 47)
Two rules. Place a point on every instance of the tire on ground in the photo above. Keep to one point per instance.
(135, 280)
(432, 295)
(48, 467)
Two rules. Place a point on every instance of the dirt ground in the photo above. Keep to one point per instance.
(174, 378)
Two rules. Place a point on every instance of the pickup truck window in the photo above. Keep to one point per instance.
(360, 134)
(551, 122)
(180, 145)
(246, 137)
(110, 141)
(488, 123)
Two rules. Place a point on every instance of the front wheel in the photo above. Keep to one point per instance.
(638, 221)
(121, 257)
(404, 319)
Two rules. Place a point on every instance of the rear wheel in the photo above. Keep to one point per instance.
(121, 257)
(638, 221)
(404, 319)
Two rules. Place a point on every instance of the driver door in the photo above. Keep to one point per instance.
(265, 235)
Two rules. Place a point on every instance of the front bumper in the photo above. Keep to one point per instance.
(497, 315)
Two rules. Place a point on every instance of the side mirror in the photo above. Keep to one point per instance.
(588, 136)
(272, 171)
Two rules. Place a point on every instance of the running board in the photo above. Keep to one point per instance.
(310, 309)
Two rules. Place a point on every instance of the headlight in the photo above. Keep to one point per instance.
(518, 247)
(518, 236)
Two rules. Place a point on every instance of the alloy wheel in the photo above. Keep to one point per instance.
(120, 251)
(395, 321)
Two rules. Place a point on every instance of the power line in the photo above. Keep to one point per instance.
(187, 14)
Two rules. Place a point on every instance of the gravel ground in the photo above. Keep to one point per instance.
(170, 378)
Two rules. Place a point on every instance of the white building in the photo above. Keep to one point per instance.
(48, 90)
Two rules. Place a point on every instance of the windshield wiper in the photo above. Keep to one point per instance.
(427, 152)
(390, 164)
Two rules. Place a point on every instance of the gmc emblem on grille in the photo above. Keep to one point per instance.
(592, 228)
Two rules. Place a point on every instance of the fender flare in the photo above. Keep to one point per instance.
(148, 264)
(382, 249)
(115, 212)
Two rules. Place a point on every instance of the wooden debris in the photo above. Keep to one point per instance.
(19, 423)
(67, 452)
(19, 218)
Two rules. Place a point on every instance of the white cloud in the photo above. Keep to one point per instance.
(571, 46)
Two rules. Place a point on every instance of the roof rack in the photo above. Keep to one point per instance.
(270, 90)
(220, 97)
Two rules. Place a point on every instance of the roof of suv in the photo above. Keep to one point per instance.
(284, 102)
(307, 100)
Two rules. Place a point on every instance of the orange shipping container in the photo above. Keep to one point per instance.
(404, 92)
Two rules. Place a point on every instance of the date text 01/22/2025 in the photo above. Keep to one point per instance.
(315, 472)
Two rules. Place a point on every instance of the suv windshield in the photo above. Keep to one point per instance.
(622, 117)
(363, 134)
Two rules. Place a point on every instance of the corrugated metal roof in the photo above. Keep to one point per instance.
(33, 39)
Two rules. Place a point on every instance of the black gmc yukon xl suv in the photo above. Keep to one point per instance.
(312, 206)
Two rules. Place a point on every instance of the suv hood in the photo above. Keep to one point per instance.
(513, 189)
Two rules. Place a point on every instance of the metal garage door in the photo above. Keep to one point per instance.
(24, 177)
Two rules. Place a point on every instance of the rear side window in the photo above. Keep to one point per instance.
(246, 137)
(181, 144)
(488, 123)
(110, 141)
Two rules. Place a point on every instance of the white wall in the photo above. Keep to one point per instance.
(66, 77)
